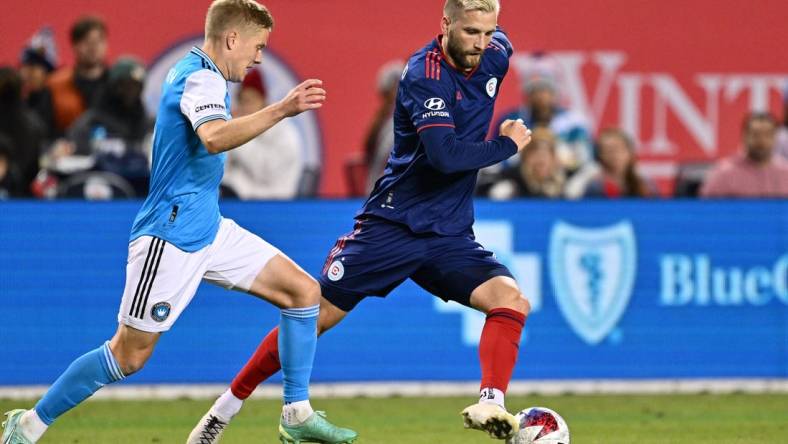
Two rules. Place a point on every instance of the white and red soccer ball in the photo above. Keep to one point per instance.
(540, 425)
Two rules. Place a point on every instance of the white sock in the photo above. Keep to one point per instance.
(491, 396)
(295, 413)
(227, 406)
(32, 426)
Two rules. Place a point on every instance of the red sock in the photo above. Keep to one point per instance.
(261, 366)
(499, 346)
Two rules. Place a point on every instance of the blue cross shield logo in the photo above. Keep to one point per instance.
(593, 272)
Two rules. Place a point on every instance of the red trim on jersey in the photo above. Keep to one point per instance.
(448, 125)
(433, 70)
(340, 245)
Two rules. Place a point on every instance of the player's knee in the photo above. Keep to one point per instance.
(305, 294)
(132, 359)
(514, 300)
(132, 348)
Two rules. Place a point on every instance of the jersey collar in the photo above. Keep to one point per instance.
(467, 75)
(212, 66)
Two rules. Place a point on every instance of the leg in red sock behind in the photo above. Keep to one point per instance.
(261, 366)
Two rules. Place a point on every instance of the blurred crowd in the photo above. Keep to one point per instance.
(82, 131)
(566, 161)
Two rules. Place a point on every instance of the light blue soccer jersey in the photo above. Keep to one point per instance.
(182, 206)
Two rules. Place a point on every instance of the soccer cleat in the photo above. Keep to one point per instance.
(316, 429)
(12, 434)
(491, 418)
(208, 431)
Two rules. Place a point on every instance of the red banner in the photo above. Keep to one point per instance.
(677, 74)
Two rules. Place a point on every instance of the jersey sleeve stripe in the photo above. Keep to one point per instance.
(448, 125)
(209, 118)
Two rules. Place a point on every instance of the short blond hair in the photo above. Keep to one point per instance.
(224, 14)
(453, 8)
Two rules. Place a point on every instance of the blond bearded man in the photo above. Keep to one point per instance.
(417, 223)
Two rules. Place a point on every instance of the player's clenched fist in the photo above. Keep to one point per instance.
(308, 95)
(517, 131)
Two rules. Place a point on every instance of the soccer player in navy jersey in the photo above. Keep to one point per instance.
(179, 237)
(417, 223)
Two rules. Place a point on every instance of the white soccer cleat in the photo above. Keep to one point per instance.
(209, 430)
(491, 418)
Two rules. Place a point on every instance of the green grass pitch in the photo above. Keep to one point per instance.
(696, 419)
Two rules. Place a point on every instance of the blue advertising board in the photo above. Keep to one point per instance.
(619, 290)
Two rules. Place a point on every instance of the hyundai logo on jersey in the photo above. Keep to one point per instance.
(435, 104)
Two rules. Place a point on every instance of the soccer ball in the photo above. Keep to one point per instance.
(540, 425)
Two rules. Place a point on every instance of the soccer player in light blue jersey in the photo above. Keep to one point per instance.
(179, 238)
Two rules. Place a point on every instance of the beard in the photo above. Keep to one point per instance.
(465, 60)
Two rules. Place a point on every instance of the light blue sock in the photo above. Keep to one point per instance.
(82, 378)
(297, 344)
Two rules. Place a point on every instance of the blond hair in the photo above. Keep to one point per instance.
(224, 14)
(453, 8)
(542, 135)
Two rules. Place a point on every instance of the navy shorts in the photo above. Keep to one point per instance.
(379, 255)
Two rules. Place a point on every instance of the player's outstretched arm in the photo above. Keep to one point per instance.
(223, 135)
(449, 155)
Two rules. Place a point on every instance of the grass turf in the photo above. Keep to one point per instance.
(698, 419)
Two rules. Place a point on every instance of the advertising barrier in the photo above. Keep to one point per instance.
(624, 290)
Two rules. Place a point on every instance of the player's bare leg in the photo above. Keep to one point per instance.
(506, 310)
(286, 285)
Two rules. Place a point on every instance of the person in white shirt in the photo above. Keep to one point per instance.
(268, 167)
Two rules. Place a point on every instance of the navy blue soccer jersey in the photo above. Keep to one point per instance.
(441, 119)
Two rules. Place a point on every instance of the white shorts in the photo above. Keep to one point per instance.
(161, 279)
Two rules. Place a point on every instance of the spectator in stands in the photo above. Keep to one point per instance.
(782, 133)
(755, 172)
(37, 62)
(380, 136)
(22, 128)
(618, 175)
(9, 176)
(269, 166)
(539, 173)
(541, 107)
(110, 136)
(76, 89)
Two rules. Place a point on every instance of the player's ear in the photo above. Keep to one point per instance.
(445, 22)
(231, 39)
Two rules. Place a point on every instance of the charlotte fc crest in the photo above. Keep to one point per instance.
(593, 273)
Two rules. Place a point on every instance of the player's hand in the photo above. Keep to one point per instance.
(308, 95)
(517, 131)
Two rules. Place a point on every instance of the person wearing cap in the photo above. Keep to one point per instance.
(37, 61)
(110, 135)
(268, 167)
(75, 89)
(541, 108)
